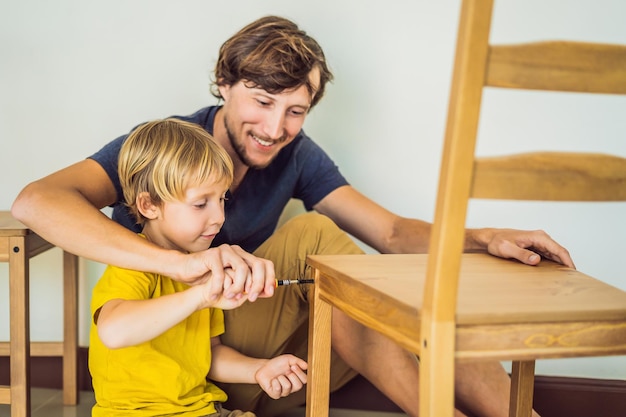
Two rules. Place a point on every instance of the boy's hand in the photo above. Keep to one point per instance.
(282, 375)
(230, 272)
(220, 301)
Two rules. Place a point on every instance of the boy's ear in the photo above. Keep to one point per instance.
(146, 207)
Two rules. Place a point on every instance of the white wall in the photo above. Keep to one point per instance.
(75, 74)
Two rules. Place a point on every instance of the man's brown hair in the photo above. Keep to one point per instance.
(271, 53)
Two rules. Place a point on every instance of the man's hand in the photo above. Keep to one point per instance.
(282, 375)
(525, 246)
(230, 272)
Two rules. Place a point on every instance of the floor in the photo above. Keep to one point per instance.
(48, 403)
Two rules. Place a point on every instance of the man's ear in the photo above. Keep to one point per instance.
(224, 90)
(146, 206)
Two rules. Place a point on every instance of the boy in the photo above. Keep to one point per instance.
(154, 340)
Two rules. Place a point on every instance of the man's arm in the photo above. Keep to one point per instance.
(64, 208)
(373, 224)
(390, 233)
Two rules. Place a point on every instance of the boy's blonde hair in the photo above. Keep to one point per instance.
(165, 157)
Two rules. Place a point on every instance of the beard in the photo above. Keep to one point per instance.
(240, 149)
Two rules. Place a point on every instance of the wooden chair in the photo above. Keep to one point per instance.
(17, 245)
(448, 306)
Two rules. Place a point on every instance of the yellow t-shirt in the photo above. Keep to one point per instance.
(164, 376)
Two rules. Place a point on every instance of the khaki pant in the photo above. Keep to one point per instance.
(222, 412)
(236, 413)
(272, 326)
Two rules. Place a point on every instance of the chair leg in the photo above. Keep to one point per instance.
(318, 378)
(436, 390)
(522, 387)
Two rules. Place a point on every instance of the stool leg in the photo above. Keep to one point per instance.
(19, 327)
(70, 328)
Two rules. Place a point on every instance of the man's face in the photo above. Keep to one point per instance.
(260, 124)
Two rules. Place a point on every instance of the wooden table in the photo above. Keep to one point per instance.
(17, 245)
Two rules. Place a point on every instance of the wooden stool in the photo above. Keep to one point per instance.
(17, 245)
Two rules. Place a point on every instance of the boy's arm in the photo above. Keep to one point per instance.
(278, 377)
(123, 323)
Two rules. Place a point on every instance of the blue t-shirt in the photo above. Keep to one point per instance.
(301, 170)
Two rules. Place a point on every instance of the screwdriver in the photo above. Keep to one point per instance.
(293, 281)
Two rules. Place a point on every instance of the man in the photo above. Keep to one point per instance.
(269, 76)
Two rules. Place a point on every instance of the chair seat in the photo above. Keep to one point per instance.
(548, 309)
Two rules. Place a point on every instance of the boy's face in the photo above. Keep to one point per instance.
(260, 124)
(189, 225)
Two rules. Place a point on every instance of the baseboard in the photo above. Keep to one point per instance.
(554, 396)
(46, 372)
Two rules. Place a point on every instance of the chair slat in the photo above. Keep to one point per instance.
(551, 176)
(559, 66)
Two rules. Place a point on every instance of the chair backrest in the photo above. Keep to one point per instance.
(551, 176)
